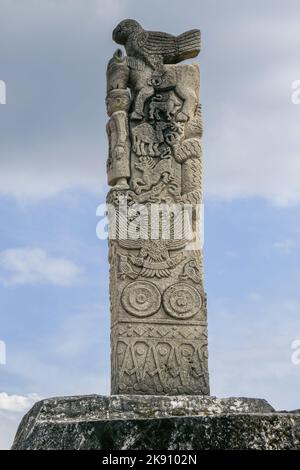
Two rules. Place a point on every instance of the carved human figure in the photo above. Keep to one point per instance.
(118, 171)
(117, 74)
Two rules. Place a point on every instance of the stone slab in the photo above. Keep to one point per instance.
(157, 422)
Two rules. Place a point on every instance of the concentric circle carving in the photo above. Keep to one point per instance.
(141, 299)
(182, 300)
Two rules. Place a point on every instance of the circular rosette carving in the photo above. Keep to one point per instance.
(141, 299)
(182, 301)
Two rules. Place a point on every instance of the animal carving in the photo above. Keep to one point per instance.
(164, 106)
(146, 140)
(152, 173)
(156, 48)
(178, 83)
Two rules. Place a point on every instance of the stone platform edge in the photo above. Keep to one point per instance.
(131, 422)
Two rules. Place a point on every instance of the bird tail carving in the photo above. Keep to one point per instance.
(188, 44)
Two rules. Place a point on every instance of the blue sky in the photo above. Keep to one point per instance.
(53, 270)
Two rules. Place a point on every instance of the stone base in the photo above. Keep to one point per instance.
(131, 422)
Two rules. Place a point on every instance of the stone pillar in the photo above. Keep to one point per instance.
(158, 302)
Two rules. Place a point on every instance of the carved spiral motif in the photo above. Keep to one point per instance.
(182, 301)
(141, 298)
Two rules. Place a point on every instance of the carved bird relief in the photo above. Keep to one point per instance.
(156, 48)
(154, 257)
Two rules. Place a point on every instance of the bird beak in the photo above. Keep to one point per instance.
(115, 32)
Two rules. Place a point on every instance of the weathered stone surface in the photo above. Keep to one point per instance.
(157, 422)
(223, 432)
(158, 302)
(135, 406)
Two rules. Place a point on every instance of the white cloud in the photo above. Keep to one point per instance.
(12, 409)
(61, 367)
(284, 245)
(231, 253)
(17, 403)
(254, 357)
(52, 168)
(255, 297)
(59, 361)
(252, 143)
(110, 10)
(77, 334)
(247, 157)
(33, 266)
(54, 138)
(8, 426)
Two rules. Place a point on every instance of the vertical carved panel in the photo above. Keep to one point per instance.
(158, 303)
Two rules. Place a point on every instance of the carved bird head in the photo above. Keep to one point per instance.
(124, 30)
(156, 250)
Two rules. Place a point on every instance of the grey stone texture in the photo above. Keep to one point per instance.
(128, 422)
(158, 302)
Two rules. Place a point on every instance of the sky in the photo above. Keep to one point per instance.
(54, 306)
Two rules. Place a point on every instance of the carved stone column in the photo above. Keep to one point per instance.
(158, 303)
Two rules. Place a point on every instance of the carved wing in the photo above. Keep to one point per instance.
(181, 232)
(173, 49)
(176, 244)
(188, 44)
(157, 43)
(122, 235)
(131, 244)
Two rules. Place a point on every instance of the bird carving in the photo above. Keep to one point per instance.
(153, 250)
(156, 48)
(154, 257)
(191, 271)
(125, 269)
